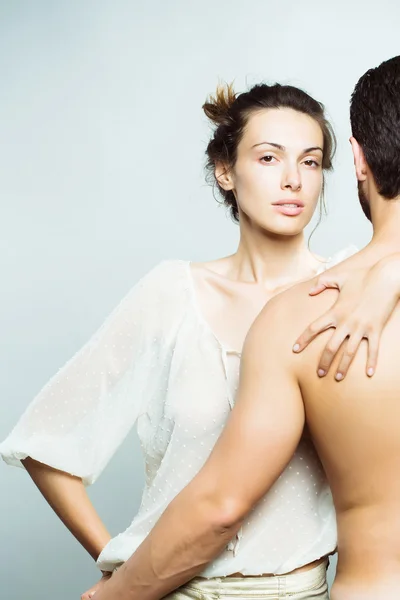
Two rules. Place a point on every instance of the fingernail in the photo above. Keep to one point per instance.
(370, 372)
(321, 372)
(296, 347)
(339, 376)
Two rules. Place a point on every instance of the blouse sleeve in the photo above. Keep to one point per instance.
(81, 416)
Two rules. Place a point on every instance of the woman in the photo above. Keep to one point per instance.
(168, 356)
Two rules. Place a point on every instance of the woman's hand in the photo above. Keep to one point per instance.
(97, 587)
(367, 299)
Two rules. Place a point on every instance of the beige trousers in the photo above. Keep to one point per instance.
(297, 586)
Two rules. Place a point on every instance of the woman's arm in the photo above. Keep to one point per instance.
(71, 429)
(67, 496)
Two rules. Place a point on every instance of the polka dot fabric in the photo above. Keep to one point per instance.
(155, 363)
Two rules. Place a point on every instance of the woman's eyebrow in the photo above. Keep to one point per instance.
(280, 147)
(312, 149)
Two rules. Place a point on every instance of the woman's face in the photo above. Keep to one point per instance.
(277, 177)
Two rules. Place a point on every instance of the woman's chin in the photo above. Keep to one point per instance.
(283, 230)
(279, 225)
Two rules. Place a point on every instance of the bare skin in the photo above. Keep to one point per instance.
(356, 432)
(230, 300)
(68, 498)
(355, 428)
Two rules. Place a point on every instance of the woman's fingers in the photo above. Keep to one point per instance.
(350, 351)
(360, 311)
(323, 283)
(348, 355)
(322, 324)
(330, 351)
(317, 289)
(373, 350)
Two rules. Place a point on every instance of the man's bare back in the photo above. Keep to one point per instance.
(355, 425)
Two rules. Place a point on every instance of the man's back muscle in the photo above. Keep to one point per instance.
(355, 425)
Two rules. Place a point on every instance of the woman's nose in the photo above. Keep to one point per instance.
(292, 181)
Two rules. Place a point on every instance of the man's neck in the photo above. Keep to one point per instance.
(385, 240)
(385, 215)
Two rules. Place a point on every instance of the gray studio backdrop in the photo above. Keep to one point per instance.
(102, 142)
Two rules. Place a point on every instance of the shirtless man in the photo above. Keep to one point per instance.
(355, 424)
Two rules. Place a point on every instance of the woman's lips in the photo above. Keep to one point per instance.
(289, 209)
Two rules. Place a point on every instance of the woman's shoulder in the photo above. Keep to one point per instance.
(166, 285)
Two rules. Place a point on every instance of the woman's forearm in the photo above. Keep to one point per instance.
(67, 496)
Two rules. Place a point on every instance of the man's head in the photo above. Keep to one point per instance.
(375, 124)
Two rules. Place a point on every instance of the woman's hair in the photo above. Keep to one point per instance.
(230, 113)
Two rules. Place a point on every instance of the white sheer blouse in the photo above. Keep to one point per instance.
(156, 362)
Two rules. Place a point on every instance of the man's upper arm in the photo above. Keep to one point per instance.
(267, 421)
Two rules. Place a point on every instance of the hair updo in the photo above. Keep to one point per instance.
(230, 113)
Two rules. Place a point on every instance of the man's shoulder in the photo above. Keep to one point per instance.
(286, 315)
(281, 321)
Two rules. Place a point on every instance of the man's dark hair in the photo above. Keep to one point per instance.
(375, 123)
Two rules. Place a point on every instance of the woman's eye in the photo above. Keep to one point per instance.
(268, 158)
(311, 163)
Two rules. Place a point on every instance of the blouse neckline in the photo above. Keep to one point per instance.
(199, 314)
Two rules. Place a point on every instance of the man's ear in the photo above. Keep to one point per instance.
(359, 160)
(224, 176)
